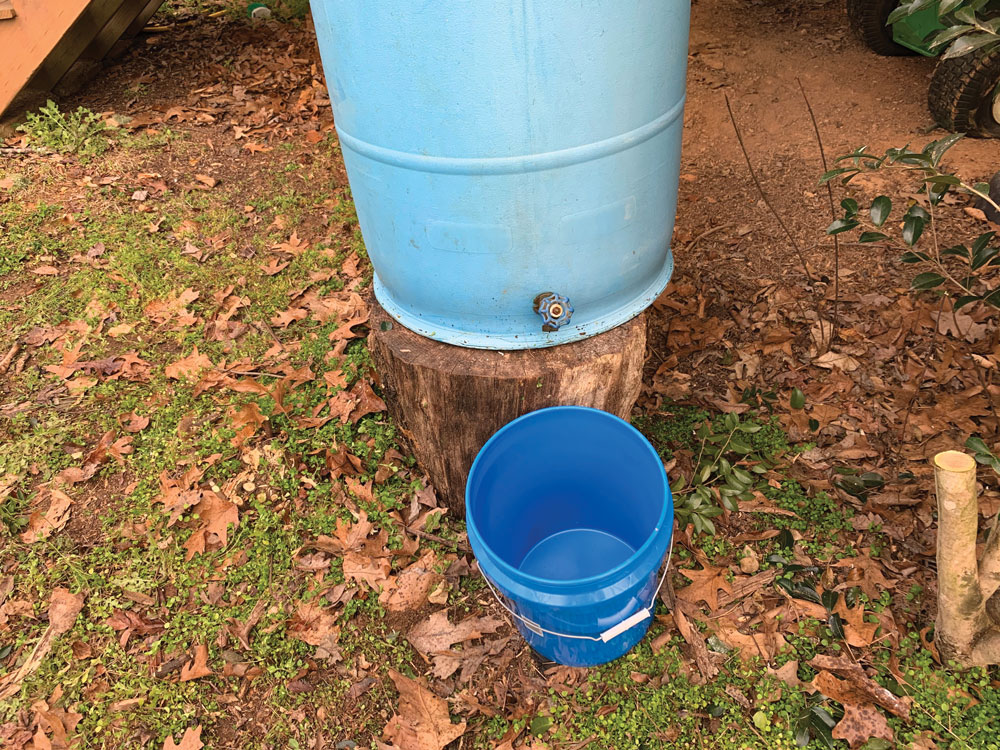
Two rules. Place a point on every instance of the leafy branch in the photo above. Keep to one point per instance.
(966, 25)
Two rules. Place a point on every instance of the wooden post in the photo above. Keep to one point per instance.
(450, 400)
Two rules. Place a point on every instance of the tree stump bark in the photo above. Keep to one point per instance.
(450, 400)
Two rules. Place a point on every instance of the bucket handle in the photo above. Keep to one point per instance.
(611, 633)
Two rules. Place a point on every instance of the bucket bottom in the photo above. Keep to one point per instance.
(574, 554)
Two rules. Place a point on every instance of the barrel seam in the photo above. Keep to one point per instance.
(513, 164)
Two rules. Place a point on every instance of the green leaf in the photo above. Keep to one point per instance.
(872, 237)
(961, 302)
(850, 206)
(761, 721)
(813, 425)
(947, 6)
(830, 599)
(836, 625)
(540, 725)
(913, 227)
(880, 210)
(969, 43)
(798, 399)
(841, 225)
(827, 176)
(943, 179)
(877, 743)
(927, 280)
(914, 257)
(977, 445)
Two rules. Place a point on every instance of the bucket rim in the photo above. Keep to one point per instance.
(571, 583)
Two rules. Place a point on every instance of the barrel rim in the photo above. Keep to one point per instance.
(573, 583)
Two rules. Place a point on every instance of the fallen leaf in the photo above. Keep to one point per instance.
(436, 633)
(412, 585)
(41, 525)
(372, 571)
(273, 267)
(190, 741)
(860, 724)
(422, 721)
(836, 361)
(368, 402)
(64, 607)
(198, 666)
(204, 179)
(316, 626)
(705, 586)
(136, 423)
(190, 367)
(856, 686)
(293, 246)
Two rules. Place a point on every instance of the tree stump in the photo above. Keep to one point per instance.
(450, 400)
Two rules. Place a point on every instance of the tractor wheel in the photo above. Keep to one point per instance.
(868, 18)
(963, 94)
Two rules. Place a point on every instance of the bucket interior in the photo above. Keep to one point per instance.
(566, 493)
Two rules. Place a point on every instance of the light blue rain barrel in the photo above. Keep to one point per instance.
(514, 163)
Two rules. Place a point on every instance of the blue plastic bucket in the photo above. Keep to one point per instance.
(503, 149)
(569, 514)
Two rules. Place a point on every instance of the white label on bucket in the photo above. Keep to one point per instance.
(640, 616)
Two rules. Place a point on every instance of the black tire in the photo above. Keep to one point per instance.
(868, 19)
(962, 92)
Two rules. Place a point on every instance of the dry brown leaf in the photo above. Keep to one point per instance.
(371, 571)
(367, 401)
(135, 423)
(437, 634)
(860, 724)
(422, 721)
(413, 585)
(762, 643)
(64, 607)
(198, 666)
(190, 367)
(836, 361)
(42, 524)
(294, 246)
(705, 586)
(316, 626)
(856, 687)
(190, 741)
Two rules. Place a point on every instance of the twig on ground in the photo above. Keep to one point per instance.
(763, 195)
(833, 212)
(703, 235)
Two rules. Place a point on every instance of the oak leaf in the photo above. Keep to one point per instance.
(705, 586)
(190, 367)
(437, 634)
(198, 666)
(190, 741)
(422, 721)
(860, 724)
